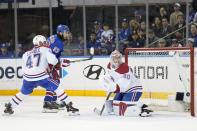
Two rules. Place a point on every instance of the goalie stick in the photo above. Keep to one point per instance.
(100, 112)
(90, 58)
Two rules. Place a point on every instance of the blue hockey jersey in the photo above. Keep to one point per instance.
(56, 45)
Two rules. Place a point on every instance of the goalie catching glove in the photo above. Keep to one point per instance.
(108, 84)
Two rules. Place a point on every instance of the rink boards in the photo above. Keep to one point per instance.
(81, 79)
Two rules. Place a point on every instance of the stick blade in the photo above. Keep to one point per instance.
(92, 50)
(97, 111)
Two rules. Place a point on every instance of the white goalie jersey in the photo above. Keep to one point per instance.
(35, 63)
(122, 79)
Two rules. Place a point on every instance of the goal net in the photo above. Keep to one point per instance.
(167, 76)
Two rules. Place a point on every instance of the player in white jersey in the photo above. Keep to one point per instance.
(34, 65)
(121, 80)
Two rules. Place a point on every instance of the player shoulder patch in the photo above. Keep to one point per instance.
(56, 49)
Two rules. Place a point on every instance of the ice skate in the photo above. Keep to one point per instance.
(145, 112)
(50, 107)
(8, 109)
(59, 105)
(70, 109)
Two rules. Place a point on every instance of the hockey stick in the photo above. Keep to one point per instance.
(90, 58)
(100, 112)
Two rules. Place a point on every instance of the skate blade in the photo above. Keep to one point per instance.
(49, 111)
(7, 114)
(73, 114)
(61, 109)
(145, 114)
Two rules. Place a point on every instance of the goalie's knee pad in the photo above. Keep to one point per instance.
(123, 108)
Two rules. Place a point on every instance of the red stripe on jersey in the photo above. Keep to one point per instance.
(51, 80)
(61, 95)
(49, 93)
(35, 74)
(132, 88)
(18, 98)
(133, 97)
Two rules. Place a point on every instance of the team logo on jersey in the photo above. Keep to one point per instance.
(93, 72)
(56, 49)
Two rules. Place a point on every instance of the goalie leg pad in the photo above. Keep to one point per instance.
(122, 108)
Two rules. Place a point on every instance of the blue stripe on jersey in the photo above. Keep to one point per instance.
(63, 98)
(14, 101)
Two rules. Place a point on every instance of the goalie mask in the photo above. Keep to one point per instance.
(115, 59)
(39, 40)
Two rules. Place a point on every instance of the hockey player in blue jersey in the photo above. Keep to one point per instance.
(56, 44)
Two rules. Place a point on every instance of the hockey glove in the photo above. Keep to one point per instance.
(65, 63)
(107, 84)
(57, 66)
(55, 74)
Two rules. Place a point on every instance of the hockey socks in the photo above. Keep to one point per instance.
(62, 96)
(17, 99)
(49, 96)
(54, 97)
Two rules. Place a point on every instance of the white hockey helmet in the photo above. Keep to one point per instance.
(115, 59)
(39, 38)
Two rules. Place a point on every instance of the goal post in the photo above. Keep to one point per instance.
(165, 72)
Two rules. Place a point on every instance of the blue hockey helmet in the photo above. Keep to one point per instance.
(62, 28)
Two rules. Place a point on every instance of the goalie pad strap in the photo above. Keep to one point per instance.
(122, 108)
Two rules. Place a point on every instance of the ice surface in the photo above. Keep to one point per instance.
(28, 117)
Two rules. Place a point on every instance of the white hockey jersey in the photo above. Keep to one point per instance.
(35, 62)
(107, 36)
(124, 78)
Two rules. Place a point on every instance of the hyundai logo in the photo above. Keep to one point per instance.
(93, 72)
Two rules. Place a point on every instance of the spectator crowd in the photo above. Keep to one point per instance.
(168, 29)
